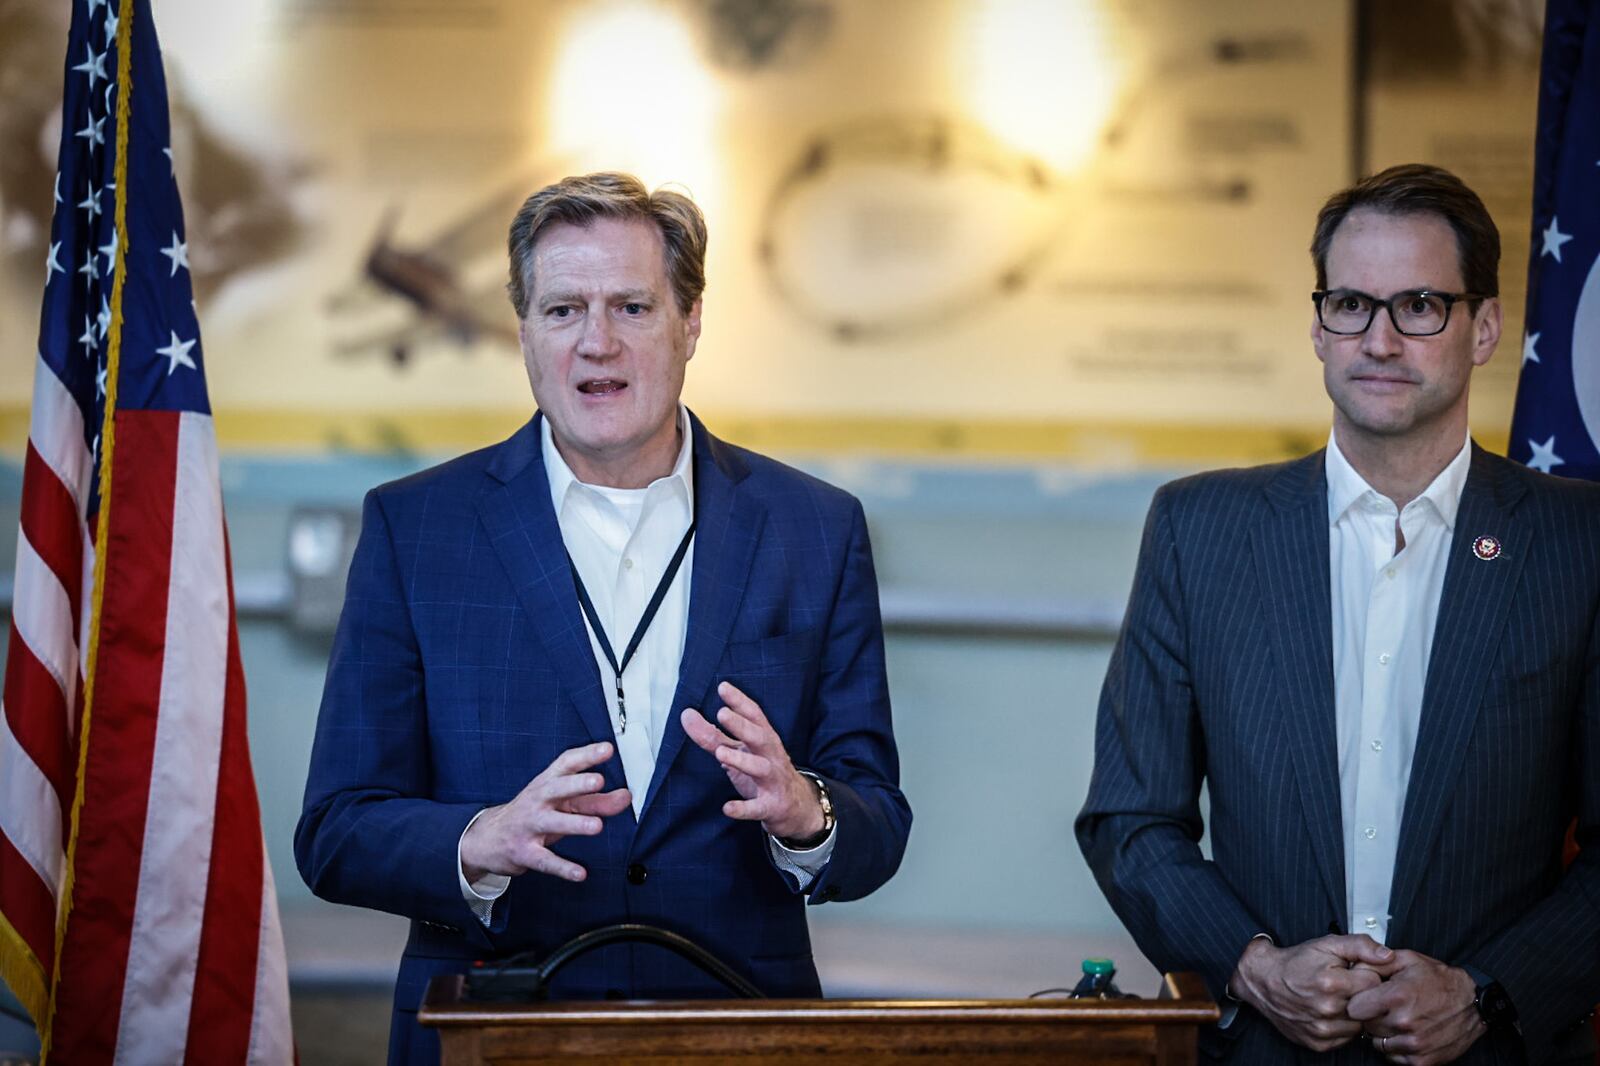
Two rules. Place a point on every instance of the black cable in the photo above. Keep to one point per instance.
(513, 980)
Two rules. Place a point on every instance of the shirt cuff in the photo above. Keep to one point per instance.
(803, 866)
(480, 894)
(1230, 1003)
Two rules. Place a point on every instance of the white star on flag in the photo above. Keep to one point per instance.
(88, 271)
(1554, 239)
(58, 186)
(51, 267)
(178, 252)
(93, 131)
(1544, 455)
(111, 25)
(100, 380)
(110, 251)
(172, 170)
(103, 319)
(1528, 353)
(177, 353)
(94, 4)
(93, 65)
(91, 202)
(87, 340)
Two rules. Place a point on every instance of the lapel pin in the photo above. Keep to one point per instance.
(1486, 548)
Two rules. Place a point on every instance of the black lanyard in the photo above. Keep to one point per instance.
(644, 621)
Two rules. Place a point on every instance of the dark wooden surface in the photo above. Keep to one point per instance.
(744, 1032)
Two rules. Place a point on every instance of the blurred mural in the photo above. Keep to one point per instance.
(1077, 210)
(1065, 211)
(1053, 211)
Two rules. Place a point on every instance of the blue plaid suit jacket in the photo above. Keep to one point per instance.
(461, 668)
(1223, 673)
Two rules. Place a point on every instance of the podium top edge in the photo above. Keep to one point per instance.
(445, 1006)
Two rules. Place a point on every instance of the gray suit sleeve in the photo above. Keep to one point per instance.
(1548, 959)
(1140, 827)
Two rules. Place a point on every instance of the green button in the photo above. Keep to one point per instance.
(1099, 966)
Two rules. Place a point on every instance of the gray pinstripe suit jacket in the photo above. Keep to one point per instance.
(1223, 674)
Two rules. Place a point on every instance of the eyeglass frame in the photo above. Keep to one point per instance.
(1450, 300)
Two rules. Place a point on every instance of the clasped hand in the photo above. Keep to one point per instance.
(1325, 992)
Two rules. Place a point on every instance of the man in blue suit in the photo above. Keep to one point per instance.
(531, 632)
(1383, 661)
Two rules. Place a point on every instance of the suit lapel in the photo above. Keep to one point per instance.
(521, 523)
(1473, 608)
(1291, 554)
(728, 527)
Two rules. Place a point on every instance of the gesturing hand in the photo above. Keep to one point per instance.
(1304, 990)
(775, 794)
(1423, 1013)
(562, 801)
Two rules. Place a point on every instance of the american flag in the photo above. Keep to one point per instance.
(1556, 424)
(138, 918)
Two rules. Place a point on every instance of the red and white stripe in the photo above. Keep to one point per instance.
(43, 681)
(171, 950)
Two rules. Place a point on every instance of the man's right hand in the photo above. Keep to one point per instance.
(1304, 990)
(515, 837)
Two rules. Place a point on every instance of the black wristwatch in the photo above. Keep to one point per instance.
(1493, 1003)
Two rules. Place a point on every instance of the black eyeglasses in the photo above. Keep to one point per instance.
(1415, 312)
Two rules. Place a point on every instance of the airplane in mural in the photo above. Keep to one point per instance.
(436, 281)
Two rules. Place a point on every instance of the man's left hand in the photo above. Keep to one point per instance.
(1424, 1013)
(774, 793)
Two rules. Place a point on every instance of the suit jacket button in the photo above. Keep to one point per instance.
(829, 893)
(637, 873)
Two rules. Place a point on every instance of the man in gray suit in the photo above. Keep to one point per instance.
(1383, 661)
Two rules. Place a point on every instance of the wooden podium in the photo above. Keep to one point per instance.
(798, 1031)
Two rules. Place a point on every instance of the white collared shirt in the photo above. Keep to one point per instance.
(621, 542)
(1385, 606)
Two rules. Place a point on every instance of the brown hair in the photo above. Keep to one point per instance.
(1411, 189)
(580, 200)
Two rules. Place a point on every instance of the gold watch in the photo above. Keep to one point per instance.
(826, 802)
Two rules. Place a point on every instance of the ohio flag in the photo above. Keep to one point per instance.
(1556, 424)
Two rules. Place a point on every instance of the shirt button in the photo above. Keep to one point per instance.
(1389, 573)
(1372, 923)
(1383, 660)
(627, 564)
(1371, 831)
(1377, 745)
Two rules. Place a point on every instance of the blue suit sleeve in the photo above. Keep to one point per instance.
(369, 836)
(852, 744)
(1140, 826)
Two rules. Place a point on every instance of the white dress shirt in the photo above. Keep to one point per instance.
(1385, 606)
(621, 541)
